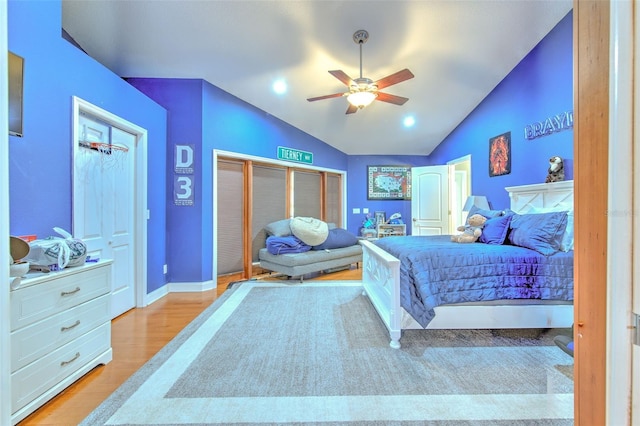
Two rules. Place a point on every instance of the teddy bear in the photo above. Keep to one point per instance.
(471, 231)
(556, 170)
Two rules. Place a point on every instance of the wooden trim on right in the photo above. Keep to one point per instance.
(591, 143)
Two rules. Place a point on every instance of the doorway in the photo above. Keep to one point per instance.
(461, 189)
(109, 198)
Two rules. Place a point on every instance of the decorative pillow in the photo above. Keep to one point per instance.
(495, 229)
(541, 232)
(567, 238)
(310, 230)
(279, 228)
(486, 213)
(337, 238)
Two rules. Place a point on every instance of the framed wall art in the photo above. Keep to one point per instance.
(388, 182)
(381, 217)
(500, 155)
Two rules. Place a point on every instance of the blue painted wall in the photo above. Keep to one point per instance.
(211, 118)
(195, 112)
(540, 86)
(40, 169)
(357, 188)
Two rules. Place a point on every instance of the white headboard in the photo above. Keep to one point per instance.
(540, 195)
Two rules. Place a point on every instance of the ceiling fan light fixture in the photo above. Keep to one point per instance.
(361, 99)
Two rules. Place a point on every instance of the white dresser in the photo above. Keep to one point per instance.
(60, 329)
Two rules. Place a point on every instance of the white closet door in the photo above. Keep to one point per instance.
(105, 206)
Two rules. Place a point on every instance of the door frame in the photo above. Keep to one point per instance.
(141, 214)
(620, 217)
(461, 164)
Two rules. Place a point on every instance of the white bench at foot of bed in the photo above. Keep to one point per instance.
(381, 282)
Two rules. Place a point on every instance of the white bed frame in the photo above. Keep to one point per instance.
(381, 282)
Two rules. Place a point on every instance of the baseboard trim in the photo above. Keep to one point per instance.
(193, 287)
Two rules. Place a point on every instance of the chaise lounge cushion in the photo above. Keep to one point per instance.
(298, 264)
(310, 257)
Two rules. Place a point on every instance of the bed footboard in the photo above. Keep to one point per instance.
(381, 282)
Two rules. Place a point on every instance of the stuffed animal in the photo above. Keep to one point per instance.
(556, 170)
(471, 231)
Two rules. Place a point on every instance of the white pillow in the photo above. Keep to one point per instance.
(567, 237)
(309, 230)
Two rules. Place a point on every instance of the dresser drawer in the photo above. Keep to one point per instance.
(32, 303)
(36, 378)
(38, 339)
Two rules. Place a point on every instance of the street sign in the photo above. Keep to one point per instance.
(296, 155)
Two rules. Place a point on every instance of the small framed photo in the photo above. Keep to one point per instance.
(388, 182)
(500, 155)
(381, 217)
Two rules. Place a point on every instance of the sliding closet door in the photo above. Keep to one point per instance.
(231, 229)
(269, 202)
(307, 194)
(333, 199)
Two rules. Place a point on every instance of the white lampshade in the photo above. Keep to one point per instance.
(361, 99)
(480, 201)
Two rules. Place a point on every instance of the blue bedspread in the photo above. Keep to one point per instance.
(435, 271)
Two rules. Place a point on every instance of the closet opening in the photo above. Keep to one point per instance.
(250, 193)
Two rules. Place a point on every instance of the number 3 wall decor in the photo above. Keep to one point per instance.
(183, 179)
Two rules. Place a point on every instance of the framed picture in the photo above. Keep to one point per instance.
(500, 155)
(381, 217)
(388, 182)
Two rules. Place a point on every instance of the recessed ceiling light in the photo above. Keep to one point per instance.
(279, 86)
(409, 121)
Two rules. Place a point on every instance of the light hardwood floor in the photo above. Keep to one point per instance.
(136, 336)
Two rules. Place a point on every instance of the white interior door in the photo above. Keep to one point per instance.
(430, 200)
(634, 202)
(104, 204)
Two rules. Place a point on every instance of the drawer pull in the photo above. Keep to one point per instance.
(63, 363)
(69, 293)
(74, 325)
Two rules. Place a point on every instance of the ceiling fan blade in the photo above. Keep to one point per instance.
(395, 78)
(342, 76)
(319, 98)
(392, 99)
(351, 109)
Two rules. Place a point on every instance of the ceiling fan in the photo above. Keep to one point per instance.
(363, 91)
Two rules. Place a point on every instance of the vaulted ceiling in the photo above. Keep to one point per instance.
(458, 51)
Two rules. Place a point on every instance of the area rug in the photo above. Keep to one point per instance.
(317, 354)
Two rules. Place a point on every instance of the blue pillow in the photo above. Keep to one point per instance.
(495, 229)
(337, 238)
(540, 232)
